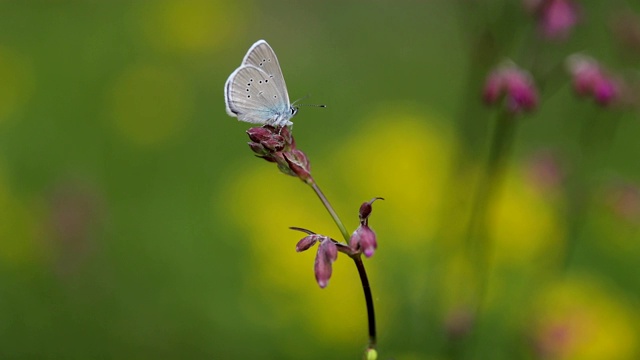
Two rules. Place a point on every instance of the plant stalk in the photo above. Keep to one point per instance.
(357, 259)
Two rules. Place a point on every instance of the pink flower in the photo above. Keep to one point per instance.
(514, 85)
(364, 239)
(556, 18)
(590, 79)
(326, 255)
(278, 145)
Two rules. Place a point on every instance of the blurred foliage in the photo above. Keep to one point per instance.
(134, 222)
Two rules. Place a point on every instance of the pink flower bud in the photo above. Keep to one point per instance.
(277, 145)
(285, 132)
(259, 134)
(258, 149)
(298, 164)
(364, 240)
(365, 210)
(326, 255)
(307, 242)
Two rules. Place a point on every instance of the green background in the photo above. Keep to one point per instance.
(135, 223)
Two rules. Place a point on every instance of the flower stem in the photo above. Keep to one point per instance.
(594, 146)
(491, 179)
(479, 246)
(357, 259)
(369, 299)
(329, 208)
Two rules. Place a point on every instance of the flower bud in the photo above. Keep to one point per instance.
(278, 145)
(258, 149)
(326, 255)
(307, 242)
(365, 210)
(364, 240)
(259, 134)
(298, 163)
(285, 132)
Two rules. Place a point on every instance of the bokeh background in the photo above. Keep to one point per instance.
(136, 224)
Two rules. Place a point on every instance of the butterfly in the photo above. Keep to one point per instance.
(256, 93)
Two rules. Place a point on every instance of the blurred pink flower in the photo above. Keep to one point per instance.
(513, 84)
(590, 79)
(545, 171)
(76, 210)
(624, 200)
(556, 18)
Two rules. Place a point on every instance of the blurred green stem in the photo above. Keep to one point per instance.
(479, 246)
(357, 259)
(596, 137)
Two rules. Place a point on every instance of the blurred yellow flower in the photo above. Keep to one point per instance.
(19, 228)
(190, 25)
(579, 318)
(402, 154)
(524, 223)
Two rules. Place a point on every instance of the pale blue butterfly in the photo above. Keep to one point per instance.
(256, 93)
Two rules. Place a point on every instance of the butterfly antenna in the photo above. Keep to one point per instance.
(314, 105)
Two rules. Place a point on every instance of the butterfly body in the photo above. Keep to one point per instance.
(256, 92)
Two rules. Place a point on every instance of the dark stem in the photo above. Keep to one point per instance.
(369, 299)
(359, 265)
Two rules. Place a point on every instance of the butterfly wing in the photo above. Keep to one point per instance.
(262, 56)
(253, 96)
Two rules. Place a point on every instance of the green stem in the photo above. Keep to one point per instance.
(357, 259)
(327, 205)
(479, 245)
(596, 138)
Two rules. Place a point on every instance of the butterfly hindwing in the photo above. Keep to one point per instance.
(262, 56)
(253, 96)
(255, 92)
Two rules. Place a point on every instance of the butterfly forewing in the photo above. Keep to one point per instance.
(253, 96)
(262, 56)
